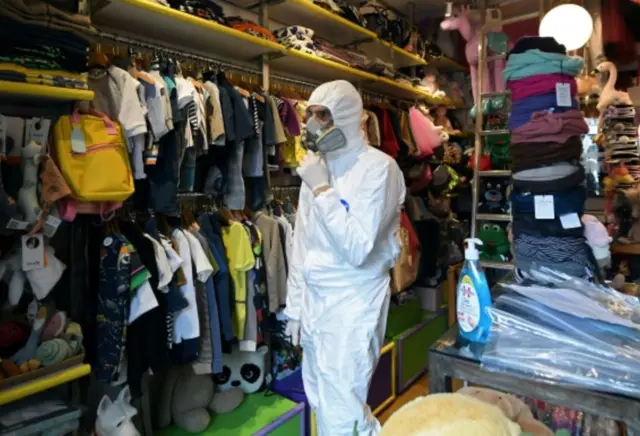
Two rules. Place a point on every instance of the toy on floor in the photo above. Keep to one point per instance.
(114, 417)
(189, 400)
(470, 411)
(492, 80)
(449, 415)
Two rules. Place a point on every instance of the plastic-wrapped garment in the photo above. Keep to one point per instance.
(338, 285)
(531, 339)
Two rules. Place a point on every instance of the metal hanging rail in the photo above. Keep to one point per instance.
(220, 63)
(180, 54)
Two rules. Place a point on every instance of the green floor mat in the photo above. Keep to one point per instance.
(256, 412)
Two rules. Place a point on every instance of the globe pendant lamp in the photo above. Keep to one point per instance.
(569, 24)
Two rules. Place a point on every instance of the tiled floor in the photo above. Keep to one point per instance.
(419, 388)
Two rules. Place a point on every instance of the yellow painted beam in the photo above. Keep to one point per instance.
(201, 22)
(22, 390)
(16, 89)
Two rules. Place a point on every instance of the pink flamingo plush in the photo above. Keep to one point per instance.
(492, 80)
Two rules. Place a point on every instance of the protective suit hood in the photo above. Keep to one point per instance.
(345, 104)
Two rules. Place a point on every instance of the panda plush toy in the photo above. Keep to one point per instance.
(242, 369)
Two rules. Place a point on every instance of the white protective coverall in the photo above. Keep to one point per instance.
(338, 288)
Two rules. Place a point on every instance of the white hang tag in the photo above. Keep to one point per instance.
(570, 221)
(544, 207)
(51, 224)
(77, 141)
(3, 135)
(33, 252)
(563, 95)
(14, 224)
(38, 131)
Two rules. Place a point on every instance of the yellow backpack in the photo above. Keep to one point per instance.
(91, 152)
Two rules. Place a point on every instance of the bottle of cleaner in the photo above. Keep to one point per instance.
(473, 297)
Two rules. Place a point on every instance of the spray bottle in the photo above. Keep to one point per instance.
(473, 297)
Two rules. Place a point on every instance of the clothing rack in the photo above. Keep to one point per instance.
(221, 65)
(218, 63)
(285, 192)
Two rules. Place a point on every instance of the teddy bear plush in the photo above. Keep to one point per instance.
(512, 407)
(449, 415)
(188, 400)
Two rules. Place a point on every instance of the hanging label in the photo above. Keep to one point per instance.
(543, 205)
(51, 224)
(570, 221)
(77, 141)
(3, 135)
(37, 131)
(33, 252)
(17, 224)
(563, 95)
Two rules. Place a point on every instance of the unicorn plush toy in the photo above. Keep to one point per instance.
(114, 417)
(492, 80)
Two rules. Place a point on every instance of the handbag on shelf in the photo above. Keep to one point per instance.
(405, 272)
(92, 155)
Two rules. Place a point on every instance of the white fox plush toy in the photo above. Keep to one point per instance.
(114, 417)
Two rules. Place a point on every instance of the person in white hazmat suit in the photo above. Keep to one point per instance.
(344, 246)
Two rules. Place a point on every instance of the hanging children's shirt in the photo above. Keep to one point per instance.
(203, 270)
(116, 95)
(156, 105)
(210, 318)
(274, 260)
(240, 257)
(186, 326)
(210, 229)
(165, 273)
(164, 95)
(215, 122)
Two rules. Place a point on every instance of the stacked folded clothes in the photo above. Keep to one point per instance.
(548, 181)
(43, 45)
(620, 135)
(302, 39)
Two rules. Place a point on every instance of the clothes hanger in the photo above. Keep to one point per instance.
(210, 74)
(98, 59)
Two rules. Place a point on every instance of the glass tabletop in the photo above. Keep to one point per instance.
(451, 345)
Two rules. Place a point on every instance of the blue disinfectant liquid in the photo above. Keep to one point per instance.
(473, 298)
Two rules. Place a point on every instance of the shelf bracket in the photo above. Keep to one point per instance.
(265, 3)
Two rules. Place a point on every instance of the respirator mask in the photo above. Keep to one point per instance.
(321, 135)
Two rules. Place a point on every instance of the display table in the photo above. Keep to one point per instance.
(447, 361)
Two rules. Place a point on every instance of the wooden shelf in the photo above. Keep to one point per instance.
(445, 64)
(629, 249)
(341, 31)
(15, 392)
(318, 69)
(162, 24)
(179, 30)
(33, 91)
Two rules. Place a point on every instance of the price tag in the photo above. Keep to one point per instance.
(38, 131)
(33, 252)
(14, 224)
(570, 221)
(51, 224)
(563, 95)
(544, 209)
